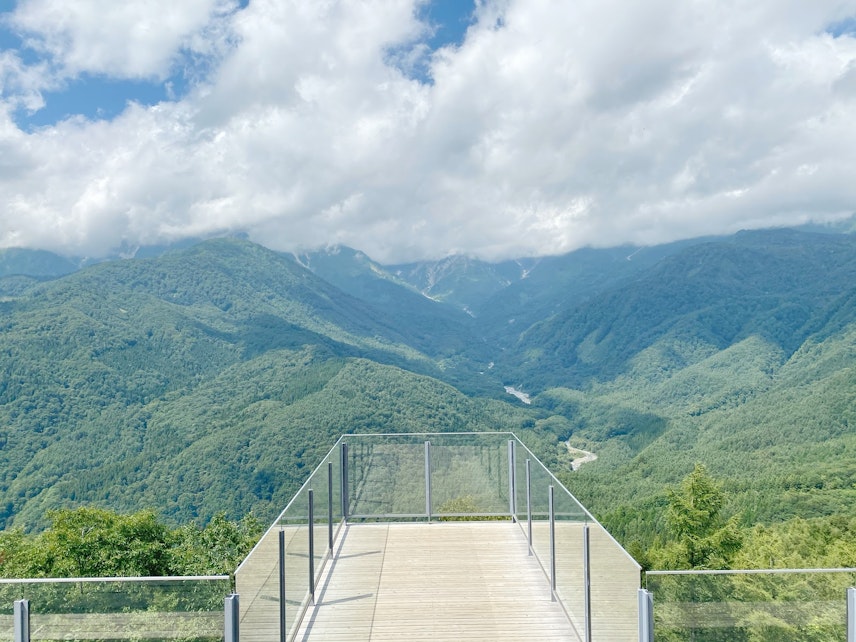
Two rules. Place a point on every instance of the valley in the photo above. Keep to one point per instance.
(210, 379)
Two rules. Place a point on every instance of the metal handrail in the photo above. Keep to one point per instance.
(130, 579)
(751, 571)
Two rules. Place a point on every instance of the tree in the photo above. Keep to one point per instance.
(93, 542)
(216, 549)
(702, 537)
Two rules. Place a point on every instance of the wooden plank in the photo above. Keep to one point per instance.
(438, 581)
(446, 581)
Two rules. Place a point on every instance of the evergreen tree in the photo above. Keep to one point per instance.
(702, 538)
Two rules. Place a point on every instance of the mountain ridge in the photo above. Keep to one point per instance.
(124, 381)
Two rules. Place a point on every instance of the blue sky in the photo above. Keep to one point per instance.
(96, 98)
(416, 129)
(450, 19)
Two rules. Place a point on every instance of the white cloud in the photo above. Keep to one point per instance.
(21, 85)
(553, 125)
(119, 39)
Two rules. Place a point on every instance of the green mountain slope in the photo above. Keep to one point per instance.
(154, 367)
(710, 296)
(242, 440)
(755, 380)
(432, 327)
(37, 263)
(779, 434)
(555, 284)
(213, 377)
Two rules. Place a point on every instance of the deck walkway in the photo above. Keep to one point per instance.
(439, 581)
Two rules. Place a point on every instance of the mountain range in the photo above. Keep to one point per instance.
(212, 377)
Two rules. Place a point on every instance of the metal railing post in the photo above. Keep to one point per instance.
(428, 480)
(330, 507)
(529, 504)
(311, 546)
(851, 615)
(512, 489)
(282, 628)
(552, 545)
(587, 581)
(646, 615)
(21, 624)
(232, 622)
(344, 463)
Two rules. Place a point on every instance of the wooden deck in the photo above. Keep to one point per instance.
(442, 581)
(438, 581)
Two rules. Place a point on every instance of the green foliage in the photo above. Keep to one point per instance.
(694, 507)
(462, 504)
(763, 607)
(828, 542)
(701, 538)
(217, 548)
(94, 542)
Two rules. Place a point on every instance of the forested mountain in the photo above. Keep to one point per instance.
(443, 331)
(554, 284)
(21, 269)
(212, 378)
(776, 285)
(739, 354)
(207, 379)
(34, 263)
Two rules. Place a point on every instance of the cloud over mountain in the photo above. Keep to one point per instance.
(550, 126)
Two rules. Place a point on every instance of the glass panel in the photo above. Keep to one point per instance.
(386, 476)
(146, 611)
(570, 568)
(615, 582)
(499, 474)
(257, 579)
(294, 523)
(8, 594)
(335, 458)
(520, 475)
(764, 607)
(468, 473)
(257, 582)
(319, 483)
(540, 485)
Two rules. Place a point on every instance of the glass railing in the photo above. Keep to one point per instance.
(805, 605)
(385, 476)
(274, 595)
(427, 476)
(595, 579)
(140, 609)
(615, 579)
